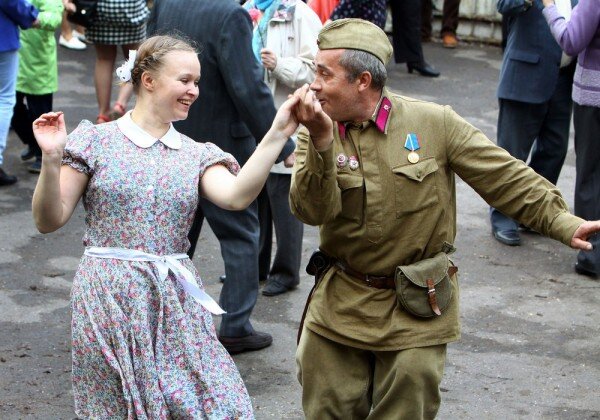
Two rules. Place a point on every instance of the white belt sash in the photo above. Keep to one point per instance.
(163, 264)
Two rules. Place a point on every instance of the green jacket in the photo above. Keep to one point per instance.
(389, 212)
(38, 69)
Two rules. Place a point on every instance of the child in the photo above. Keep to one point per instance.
(37, 78)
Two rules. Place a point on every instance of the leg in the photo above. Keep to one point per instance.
(587, 182)
(550, 148)
(406, 24)
(336, 380)
(103, 76)
(285, 273)
(518, 126)
(238, 235)
(450, 17)
(265, 240)
(406, 383)
(37, 105)
(21, 121)
(450, 23)
(426, 16)
(9, 64)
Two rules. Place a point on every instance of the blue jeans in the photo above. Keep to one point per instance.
(9, 64)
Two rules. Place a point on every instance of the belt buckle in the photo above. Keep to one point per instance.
(368, 280)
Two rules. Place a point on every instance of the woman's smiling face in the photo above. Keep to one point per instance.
(176, 85)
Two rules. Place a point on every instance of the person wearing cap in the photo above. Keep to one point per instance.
(377, 177)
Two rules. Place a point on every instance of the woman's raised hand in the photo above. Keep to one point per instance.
(51, 133)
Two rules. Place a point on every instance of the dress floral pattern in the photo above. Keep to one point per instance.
(142, 348)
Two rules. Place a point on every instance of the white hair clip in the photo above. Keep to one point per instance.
(124, 70)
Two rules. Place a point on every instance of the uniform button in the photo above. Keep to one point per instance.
(418, 174)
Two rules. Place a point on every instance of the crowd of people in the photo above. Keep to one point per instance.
(303, 130)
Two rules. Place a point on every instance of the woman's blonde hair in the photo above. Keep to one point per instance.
(150, 54)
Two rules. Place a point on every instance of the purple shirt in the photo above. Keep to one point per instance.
(580, 36)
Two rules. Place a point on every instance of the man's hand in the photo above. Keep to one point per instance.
(309, 113)
(583, 232)
(268, 58)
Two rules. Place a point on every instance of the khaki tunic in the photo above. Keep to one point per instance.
(391, 212)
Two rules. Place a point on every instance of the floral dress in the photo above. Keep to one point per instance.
(142, 347)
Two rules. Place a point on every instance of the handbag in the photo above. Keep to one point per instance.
(85, 12)
(424, 288)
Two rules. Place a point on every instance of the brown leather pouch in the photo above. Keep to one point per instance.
(423, 288)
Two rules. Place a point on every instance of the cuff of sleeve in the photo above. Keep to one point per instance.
(564, 226)
(319, 162)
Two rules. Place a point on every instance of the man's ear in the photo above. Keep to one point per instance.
(147, 81)
(364, 81)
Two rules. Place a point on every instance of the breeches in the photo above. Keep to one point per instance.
(342, 382)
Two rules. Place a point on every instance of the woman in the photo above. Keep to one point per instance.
(144, 344)
(581, 36)
(285, 44)
(117, 23)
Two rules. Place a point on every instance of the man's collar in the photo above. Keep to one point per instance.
(380, 116)
(143, 139)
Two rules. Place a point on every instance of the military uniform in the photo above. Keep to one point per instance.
(387, 212)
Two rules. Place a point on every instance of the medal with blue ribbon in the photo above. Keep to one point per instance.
(412, 144)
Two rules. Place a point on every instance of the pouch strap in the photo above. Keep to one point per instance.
(431, 291)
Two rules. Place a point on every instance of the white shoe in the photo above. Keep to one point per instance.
(72, 44)
(79, 35)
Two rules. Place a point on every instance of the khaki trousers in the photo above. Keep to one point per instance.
(342, 382)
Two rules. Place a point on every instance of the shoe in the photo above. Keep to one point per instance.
(584, 271)
(36, 167)
(27, 154)
(79, 35)
(6, 179)
(117, 112)
(274, 288)
(449, 41)
(255, 341)
(507, 237)
(423, 69)
(222, 278)
(101, 119)
(72, 44)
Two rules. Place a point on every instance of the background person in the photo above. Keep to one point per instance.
(144, 344)
(37, 78)
(285, 43)
(118, 23)
(534, 98)
(14, 14)
(580, 36)
(236, 112)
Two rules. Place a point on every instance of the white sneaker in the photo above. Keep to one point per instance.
(72, 44)
(79, 35)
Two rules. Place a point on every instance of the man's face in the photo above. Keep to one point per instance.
(337, 95)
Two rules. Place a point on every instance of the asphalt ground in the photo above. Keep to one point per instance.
(530, 325)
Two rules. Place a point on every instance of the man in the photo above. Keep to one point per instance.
(380, 185)
(449, 22)
(235, 110)
(534, 97)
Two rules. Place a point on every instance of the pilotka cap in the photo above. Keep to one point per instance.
(356, 34)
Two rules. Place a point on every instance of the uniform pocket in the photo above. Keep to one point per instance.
(352, 196)
(415, 186)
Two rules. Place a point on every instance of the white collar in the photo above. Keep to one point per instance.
(142, 138)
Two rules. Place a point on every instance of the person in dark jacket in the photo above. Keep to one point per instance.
(235, 111)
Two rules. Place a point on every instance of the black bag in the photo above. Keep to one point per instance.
(84, 14)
